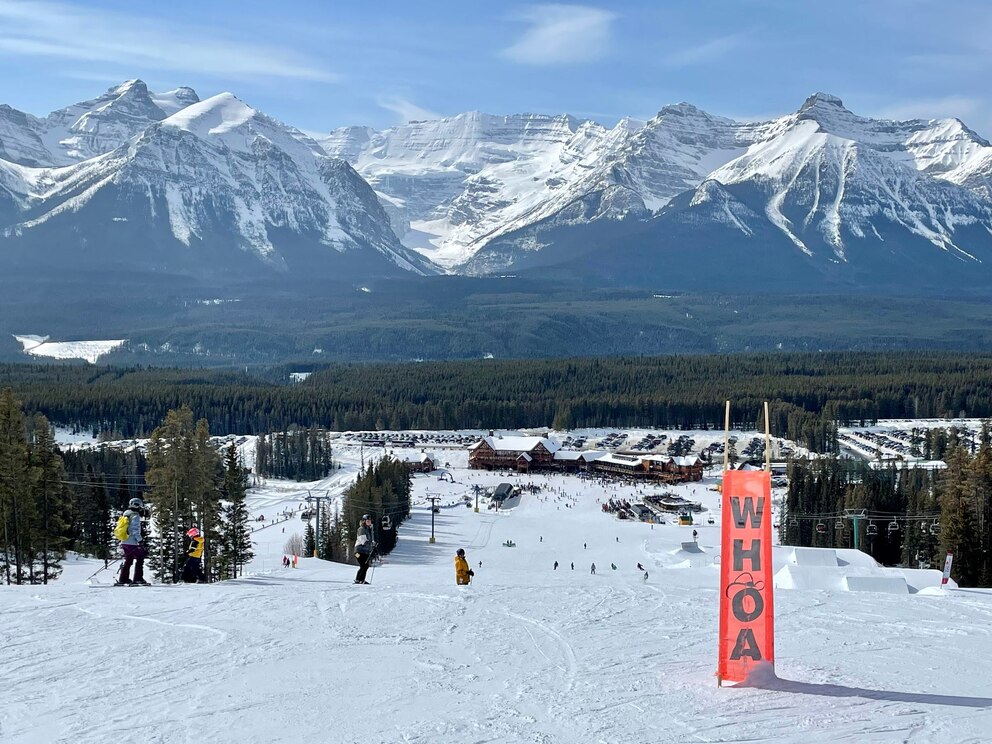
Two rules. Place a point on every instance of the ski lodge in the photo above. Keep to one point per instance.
(527, 454)
(418, 462)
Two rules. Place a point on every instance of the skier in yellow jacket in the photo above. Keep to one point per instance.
(463, 574)
(192, 572)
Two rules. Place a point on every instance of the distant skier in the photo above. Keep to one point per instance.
(132, 545)
(584, 546)
(593, 569)
(364, 546)
(192, 571)
(695, 535)
(640, 567)
(556, 565)
(573, 565)
(463, 574)
(613, 566)
(645, 575)
(542, 538)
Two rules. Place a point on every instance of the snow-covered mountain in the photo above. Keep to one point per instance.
(213, 188)
(89, 128)
(480, 193)
(840, 188)
(167, 180)
(453, 183)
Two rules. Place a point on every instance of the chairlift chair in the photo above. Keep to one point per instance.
(893, 526)
(793, 522)
(872, 529)
(839, 525)
(387, 523)
(821, 527)
(935, 527)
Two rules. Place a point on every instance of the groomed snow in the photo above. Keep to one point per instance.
(525, 654)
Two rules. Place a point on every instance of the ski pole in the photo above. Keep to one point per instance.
(103, 568)
(372, 556)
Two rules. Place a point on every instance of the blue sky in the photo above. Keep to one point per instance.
(319, 64)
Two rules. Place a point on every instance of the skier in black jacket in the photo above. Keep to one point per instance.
(364, 547)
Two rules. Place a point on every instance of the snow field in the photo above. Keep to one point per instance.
(524, 654)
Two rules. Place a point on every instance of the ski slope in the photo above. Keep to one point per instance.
(524, 654)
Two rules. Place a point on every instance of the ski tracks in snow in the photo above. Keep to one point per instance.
(566, 647)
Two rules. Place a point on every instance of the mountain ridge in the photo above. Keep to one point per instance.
(248, 192)
(480, 193)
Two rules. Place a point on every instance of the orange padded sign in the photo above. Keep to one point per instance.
(747, 616)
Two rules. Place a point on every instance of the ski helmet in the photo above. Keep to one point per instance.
(136, 503)
(366, 516)
(461, 551)
(193, 532)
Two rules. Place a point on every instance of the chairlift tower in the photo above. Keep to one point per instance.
(433, 500)
(854, 515)
(316, 531)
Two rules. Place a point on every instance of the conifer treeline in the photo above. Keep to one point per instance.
(383, 492)
(51, 501)
(34, 501)
(913, 516)
(809, 393)
(297, 454)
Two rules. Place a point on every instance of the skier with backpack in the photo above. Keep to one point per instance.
(192, 571)
(463, 574)
(364, 548)
(128, 531)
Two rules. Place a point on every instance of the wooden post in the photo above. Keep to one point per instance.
(726, 461)
(768, 442)
(726, 438)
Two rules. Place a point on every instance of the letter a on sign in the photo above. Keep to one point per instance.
(747, 616)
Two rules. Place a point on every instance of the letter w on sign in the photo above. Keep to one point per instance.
(747, 617)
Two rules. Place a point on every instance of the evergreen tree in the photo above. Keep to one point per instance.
(309, 540)
(959, 527)
(182, 473)
(16, 507)
(236, 547)
(732, 456)
(981, 483)
(51, 501)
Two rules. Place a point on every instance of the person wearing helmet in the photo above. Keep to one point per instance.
(133, 547)
(192, 571)
(364, 547)
(463, 574)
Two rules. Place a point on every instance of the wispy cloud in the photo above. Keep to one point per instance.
(706, 51)
(90, 34)
(562, 34)
(406, 110)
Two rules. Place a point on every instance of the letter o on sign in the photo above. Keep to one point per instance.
(738, 604)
